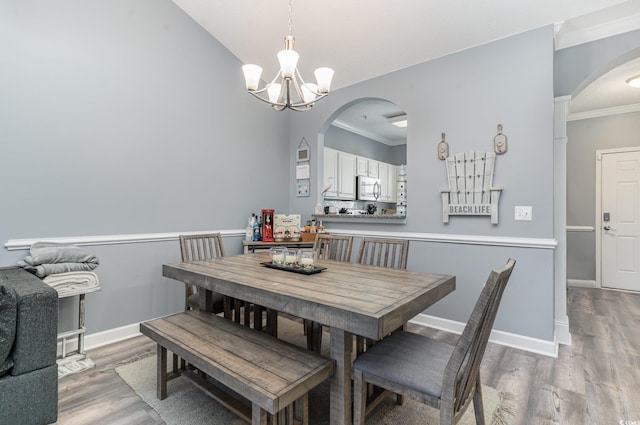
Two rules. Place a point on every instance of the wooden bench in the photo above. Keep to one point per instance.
(268, 372)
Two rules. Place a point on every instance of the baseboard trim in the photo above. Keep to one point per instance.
(534, 345)
(99, 339)
(563, 336)
(582, 283)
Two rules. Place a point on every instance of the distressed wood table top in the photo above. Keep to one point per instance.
(350, 298)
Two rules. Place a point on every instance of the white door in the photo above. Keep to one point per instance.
(620, 221)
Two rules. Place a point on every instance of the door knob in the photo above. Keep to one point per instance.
(607, 228)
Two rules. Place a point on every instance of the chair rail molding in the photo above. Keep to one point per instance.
(580, 228)
(25, 244)
(519, 242)
(541, 243)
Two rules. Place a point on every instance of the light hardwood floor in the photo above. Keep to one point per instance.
(595, 381)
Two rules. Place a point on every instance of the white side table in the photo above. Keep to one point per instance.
(70, 285)
(66, 337)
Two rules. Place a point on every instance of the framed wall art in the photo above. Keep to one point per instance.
(302, 188)
(303, 151)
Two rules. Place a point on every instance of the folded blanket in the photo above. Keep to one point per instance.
(52, 258)
(47, 269)
(73, 283)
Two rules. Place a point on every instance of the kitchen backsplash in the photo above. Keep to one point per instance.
(358, 205)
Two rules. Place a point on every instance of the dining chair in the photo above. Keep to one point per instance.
(391, 253)
(383, 252)
(328, 247)
(440, 375)
(208, 246)
(333, 247)
(196, 248)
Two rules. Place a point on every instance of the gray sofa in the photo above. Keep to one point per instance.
(28, 339)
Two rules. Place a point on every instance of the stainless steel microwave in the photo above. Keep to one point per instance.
(367, 188)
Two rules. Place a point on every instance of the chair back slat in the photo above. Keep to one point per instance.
(333, 247)
(463, 367)
(391, 253)
(201, 247)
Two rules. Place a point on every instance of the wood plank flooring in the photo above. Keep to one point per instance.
(595, 381)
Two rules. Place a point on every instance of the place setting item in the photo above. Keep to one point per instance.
(297, 261)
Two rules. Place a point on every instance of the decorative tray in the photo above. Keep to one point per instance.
(294, 269)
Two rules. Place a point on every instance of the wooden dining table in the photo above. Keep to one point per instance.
(352, 299)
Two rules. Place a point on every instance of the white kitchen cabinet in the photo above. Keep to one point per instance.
(388, 177)
(330, 172)
(346, 176)
(361, 166)
(373, 168)
(367, 167)
(384, 181)
(340, 170)
(392, 178)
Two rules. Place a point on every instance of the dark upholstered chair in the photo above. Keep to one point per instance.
(443, 376)
(28, 340)
(328, 247)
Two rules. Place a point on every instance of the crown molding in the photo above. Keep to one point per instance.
(597, 113)
(566, 37)
(363, 133)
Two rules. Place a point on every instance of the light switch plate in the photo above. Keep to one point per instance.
(523, 213)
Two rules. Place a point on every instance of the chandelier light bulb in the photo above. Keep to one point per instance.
(274, 92)
(309, 91)
(288, 61)
(324, 76)
(252, 75)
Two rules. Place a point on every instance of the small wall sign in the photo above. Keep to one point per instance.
(302, 188)
(303, 172)
(303, 151)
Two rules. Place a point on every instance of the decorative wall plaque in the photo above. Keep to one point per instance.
(471, 190)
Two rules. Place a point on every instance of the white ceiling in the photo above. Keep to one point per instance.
(362, 39)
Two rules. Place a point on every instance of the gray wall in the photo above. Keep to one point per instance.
(439, 97)
(347, 141)
(578, 66)
(120, 117)
(585, 137)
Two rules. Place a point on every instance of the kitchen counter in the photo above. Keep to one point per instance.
(362, 218)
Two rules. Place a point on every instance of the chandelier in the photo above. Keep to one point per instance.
(288, 89)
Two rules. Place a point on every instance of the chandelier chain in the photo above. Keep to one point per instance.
(290, 21)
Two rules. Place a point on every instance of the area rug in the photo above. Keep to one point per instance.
(186, 404)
